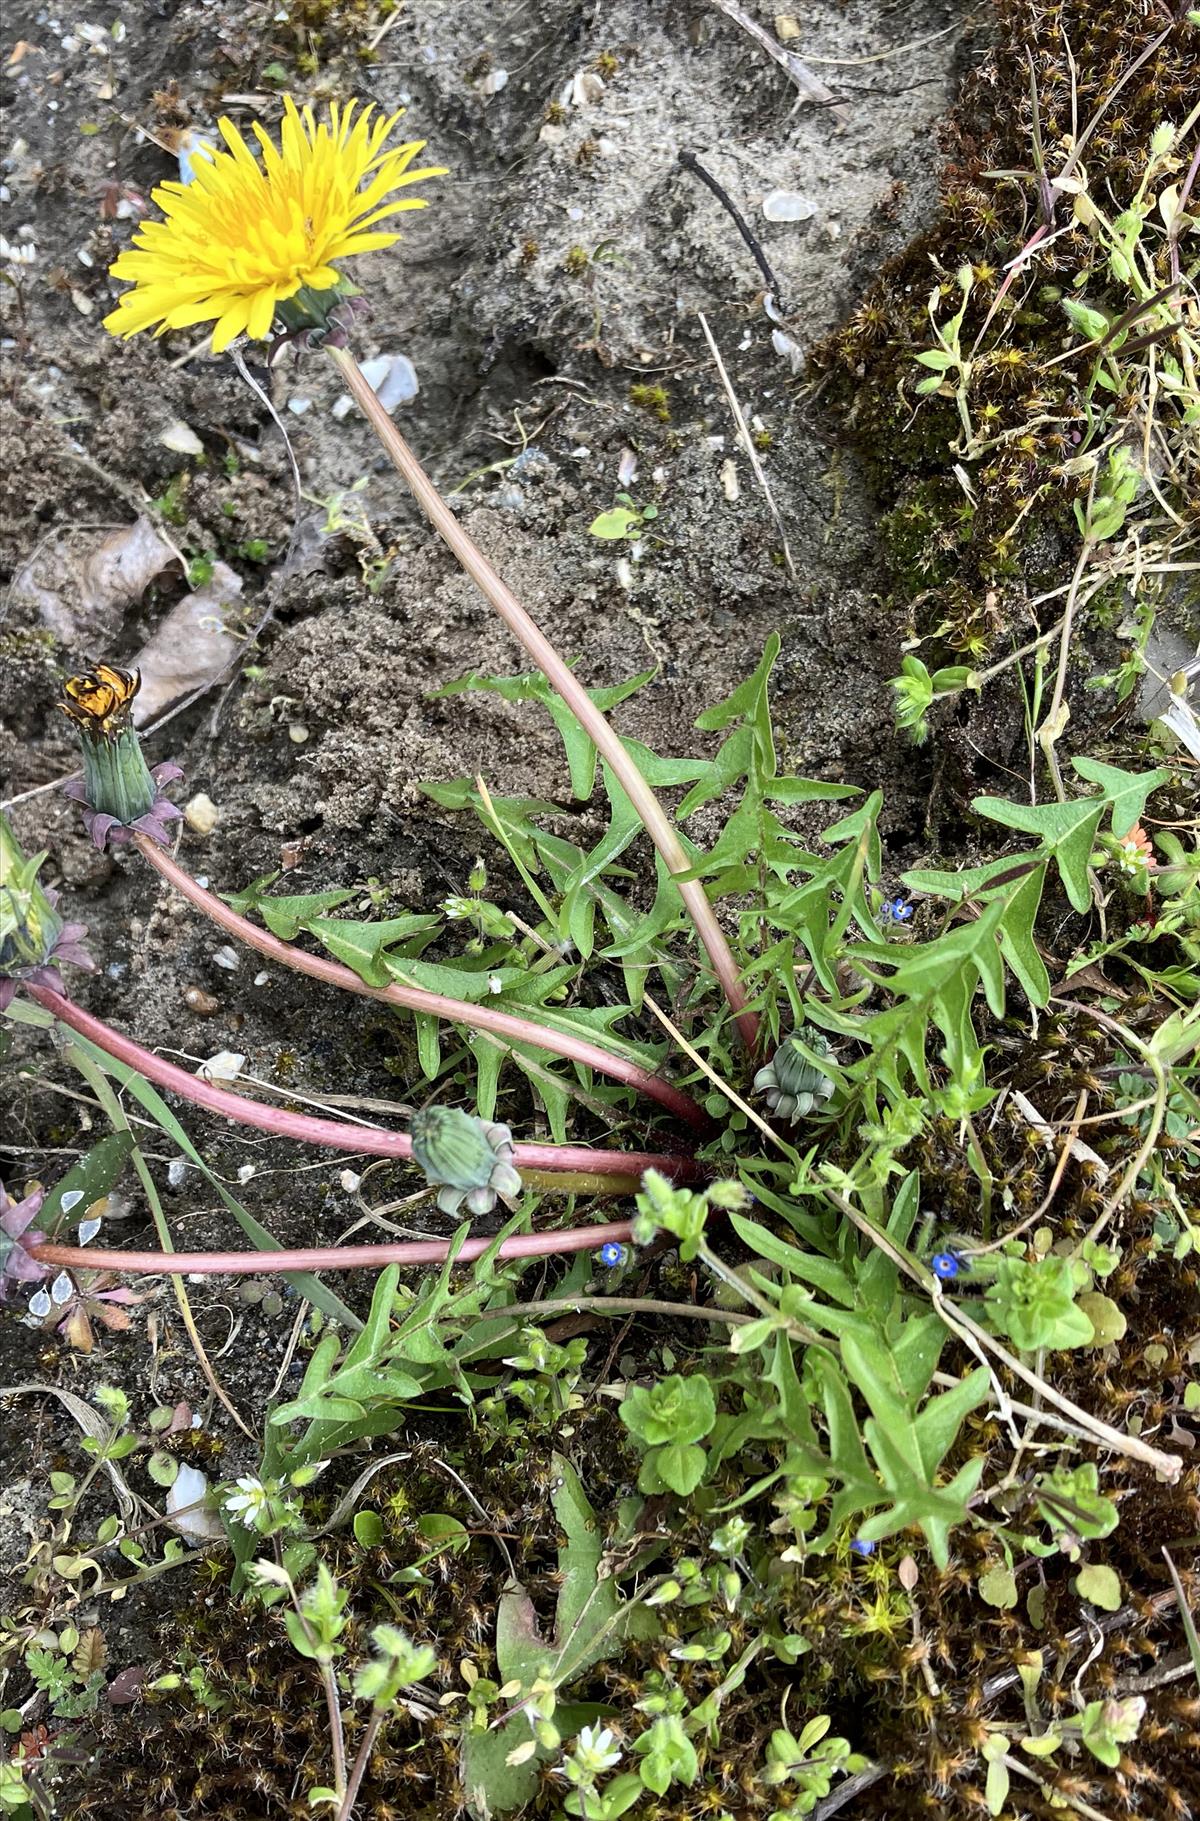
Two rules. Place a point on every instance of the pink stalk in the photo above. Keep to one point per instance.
(416, 999)
(334, 1258)
(487, 579)
(337, 1134)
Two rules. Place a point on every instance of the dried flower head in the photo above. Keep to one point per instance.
(243, 239)
(120, 794)
(472, 1159)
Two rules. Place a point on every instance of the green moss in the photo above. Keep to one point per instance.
(1027, 405)
(652, 399)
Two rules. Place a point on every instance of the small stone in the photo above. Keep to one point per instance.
(586, 88)
(493, 82)
(299, 403)
(82, 301)
(203, 1004)
(176, 1172)
(729, 479)
(786, 26)
(350, 1181)
(787, 205)
(262, 978)
(226, 1065)
(181, 439)
(552, 135)
(246, 1171)
(297, 733)
(200, 813)
(227, 957)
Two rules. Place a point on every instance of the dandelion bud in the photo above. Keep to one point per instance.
(792, 1085)
(34, 940)
(471, 1159)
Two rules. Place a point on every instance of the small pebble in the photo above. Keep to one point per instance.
(787, 205)
(297, 733)
(262, 978)
(246, 1171)
(349, 1181)
(200, 813)
(729, 479)
(226, 957)
(493, 82)
(176, 1171)
(299, 404)
(203, 1004)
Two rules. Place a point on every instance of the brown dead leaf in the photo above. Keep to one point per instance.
(190, 648)
(82, 587)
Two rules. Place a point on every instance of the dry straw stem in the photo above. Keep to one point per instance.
(415, 999)
(1098, 1431)
(654, 818)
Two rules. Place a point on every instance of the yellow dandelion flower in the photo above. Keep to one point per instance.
(242, 238)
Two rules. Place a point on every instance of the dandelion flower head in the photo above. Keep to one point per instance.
(243, 237)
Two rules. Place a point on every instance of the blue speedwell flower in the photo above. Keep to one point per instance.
(612, 1254)
(860, 1546)
(896, 910)
(946, 1265)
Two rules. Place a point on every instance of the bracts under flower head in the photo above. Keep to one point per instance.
(120, 794)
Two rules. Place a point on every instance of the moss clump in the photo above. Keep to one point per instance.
(652, 399)
(1003, 520)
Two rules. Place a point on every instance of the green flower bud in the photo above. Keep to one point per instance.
(791, 1084)
(29, 924)
(471, 1158)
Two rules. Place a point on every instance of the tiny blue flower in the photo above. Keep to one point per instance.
(612, 1254)
(860, 1546)
(896, 910)
(946, 1265)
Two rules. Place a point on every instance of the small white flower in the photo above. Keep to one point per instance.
(248, 1503)
(596, 1750)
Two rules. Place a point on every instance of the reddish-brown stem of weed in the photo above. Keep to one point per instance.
(283, 1123)
(561, 677)
(333, 1258)
(416, 999)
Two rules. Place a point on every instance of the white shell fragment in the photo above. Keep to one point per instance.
(787, 205)
(190, 1487)
(392, 378)
(788, 350)
(226, 1065)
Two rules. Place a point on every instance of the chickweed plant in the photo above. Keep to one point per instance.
(892, 1156)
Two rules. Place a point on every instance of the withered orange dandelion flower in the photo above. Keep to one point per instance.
(242, 238)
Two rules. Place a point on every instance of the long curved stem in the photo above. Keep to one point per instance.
(487, 579)
(334, 1258)
(337, 1134)
(416, 999)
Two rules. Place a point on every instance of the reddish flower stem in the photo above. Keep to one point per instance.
(337, 1134)
(333, 1258)
(560, 676)
(416, 999)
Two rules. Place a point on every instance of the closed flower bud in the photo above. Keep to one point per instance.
(471, 1159)
(34, 940)
(791, 1084)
